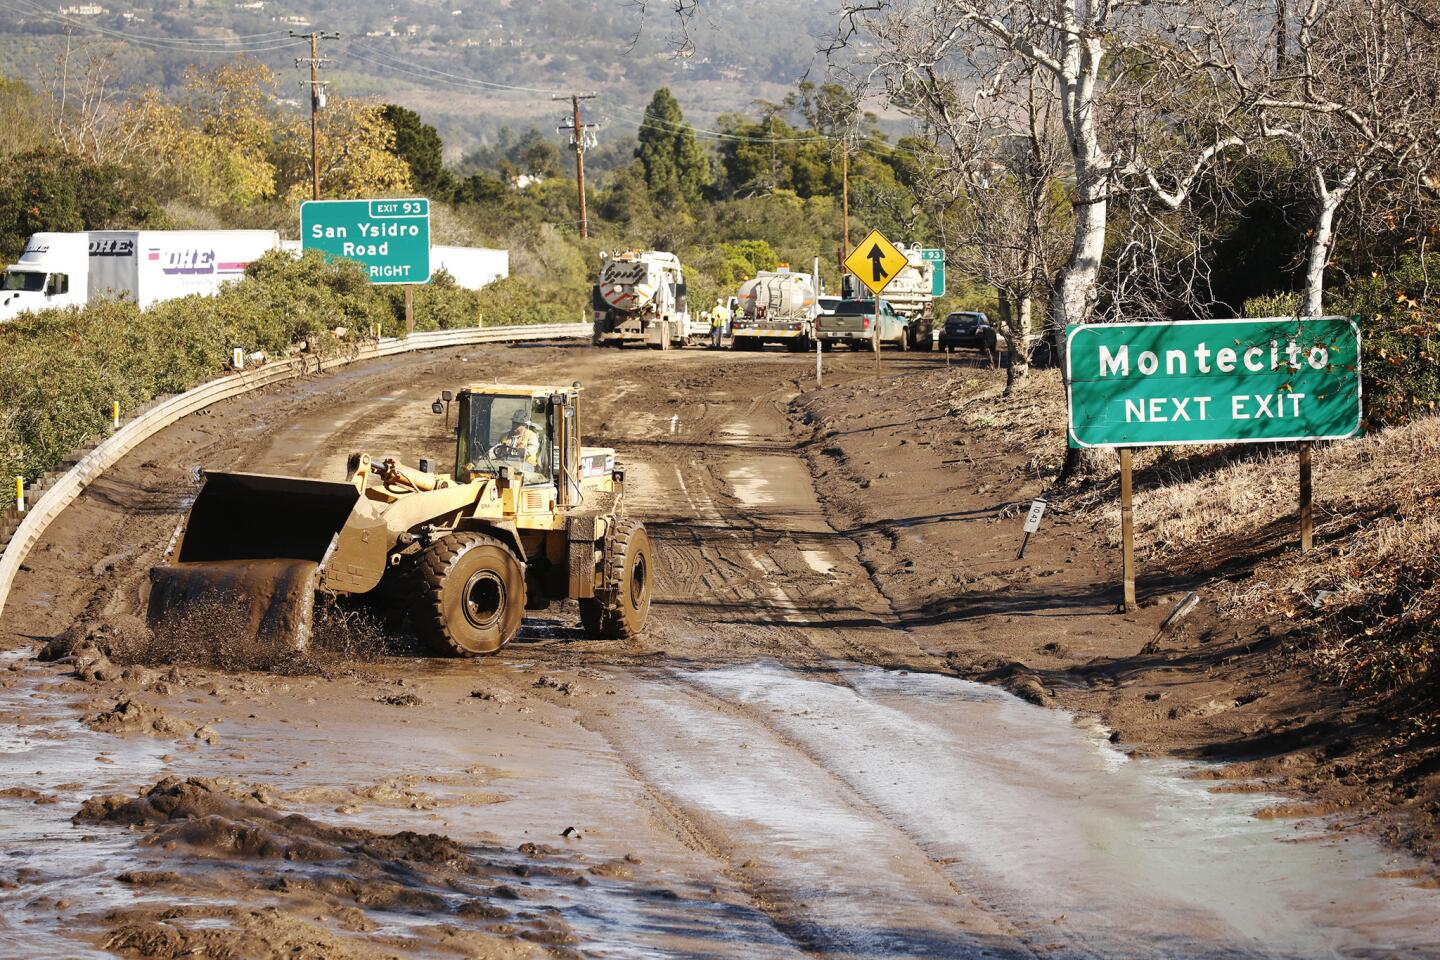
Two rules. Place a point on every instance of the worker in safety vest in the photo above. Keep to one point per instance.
(719, 319)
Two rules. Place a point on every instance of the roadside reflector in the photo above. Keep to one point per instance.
(237, 359)
(20, 494)
(115, 414)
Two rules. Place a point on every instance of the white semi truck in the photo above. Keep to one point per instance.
(146, 266)
(640, 298)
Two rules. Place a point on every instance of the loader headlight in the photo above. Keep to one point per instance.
(437, 408)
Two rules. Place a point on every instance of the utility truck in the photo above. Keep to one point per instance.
(777, 306)
(146, 266)
(641, 298)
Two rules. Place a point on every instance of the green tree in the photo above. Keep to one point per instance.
(675, 165)
(420, 146)
(43, 190)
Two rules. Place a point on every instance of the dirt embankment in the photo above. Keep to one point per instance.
(1311, 674)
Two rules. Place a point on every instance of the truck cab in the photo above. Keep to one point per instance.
(52, 272)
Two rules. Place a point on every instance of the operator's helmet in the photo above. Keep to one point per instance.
(521, 418)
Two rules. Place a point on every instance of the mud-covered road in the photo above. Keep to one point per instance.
(779, 768)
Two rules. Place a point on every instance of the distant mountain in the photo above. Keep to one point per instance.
(467, 67)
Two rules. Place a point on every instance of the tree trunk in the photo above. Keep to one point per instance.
(1322, 240)
(1007, 330)
(1020, 343)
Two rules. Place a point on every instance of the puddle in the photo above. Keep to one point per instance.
(1045, 820)
(751, 487)
(818, 561)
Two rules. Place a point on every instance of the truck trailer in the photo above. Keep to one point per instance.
(145, 266)
(777, 306)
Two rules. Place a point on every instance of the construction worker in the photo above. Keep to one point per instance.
(523, 440)
(719, 319)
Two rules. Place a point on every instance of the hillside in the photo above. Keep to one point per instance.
(467, 68)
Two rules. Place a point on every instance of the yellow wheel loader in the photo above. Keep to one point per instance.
(528, 516)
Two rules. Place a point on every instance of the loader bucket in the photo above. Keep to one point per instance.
(248, 561)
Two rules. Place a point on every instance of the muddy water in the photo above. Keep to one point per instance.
(1048, 824)
(43, 858)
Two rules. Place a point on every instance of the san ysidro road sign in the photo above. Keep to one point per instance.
(936, 259)
(391, 237)
(1213, 381)
(876, 261)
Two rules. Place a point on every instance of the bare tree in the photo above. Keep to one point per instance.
(993, 182)
(1133, 121)
(1356, 95)
(80, 105)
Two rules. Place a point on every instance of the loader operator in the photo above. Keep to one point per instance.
(523, 440)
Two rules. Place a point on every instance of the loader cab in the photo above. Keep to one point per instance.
(498, 430)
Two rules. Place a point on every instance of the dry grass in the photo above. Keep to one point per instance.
(1367, 599)
(1365, 603)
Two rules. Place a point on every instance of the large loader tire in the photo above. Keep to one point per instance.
(472, 595)
(628, 576)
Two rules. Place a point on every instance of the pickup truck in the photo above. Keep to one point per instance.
(855, 322)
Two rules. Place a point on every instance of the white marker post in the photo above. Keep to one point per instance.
(1032, 523)
(19, 494)
(819, 375)
(115, 414)
(237, 358)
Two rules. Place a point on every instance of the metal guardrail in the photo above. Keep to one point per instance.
(67, 487)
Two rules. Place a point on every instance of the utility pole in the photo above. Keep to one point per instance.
(317, 100)
(578, 136)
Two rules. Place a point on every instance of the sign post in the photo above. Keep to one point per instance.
(1213, 381)
(390, 237)
(1032, 524)
(1127, 531)
(876, 261)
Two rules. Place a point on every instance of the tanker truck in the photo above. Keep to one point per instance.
(777, 306)
(640, 298)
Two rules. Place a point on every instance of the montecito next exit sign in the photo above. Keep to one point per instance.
(1213, 381)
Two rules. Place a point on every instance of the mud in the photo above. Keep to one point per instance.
(128, 716)
(268, 603)
(786, 765)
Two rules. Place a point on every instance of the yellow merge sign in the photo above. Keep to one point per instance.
(876, 262)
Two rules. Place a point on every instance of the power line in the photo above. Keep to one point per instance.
(401, 67)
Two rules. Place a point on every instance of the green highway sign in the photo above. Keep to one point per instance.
(1213, 381)
(391, 237)
(936, 257)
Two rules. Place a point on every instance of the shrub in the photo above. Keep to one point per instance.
(1399, 316)
(61, 369)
